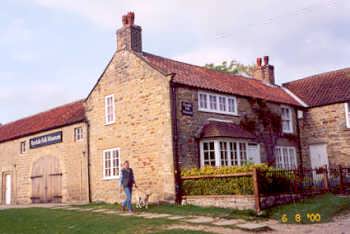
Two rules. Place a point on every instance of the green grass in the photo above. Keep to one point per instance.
(41, 220)
(327, 206)
(186, 210)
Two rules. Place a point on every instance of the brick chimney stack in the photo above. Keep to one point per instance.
(129, 36)
(264, 72)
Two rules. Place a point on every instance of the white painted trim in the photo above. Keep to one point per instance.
(288, 155)
(290, 117)
(220, 120)
(235, 113)
(290, 93)
(347, 114)
(106, 110)
(103, 162)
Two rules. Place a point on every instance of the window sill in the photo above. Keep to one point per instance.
(220, 113)
(107, 124)
(111, 178)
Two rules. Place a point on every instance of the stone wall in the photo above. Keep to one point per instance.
(142, 130)
(326, 125)
(189, 126)
(72, 158)
(240, 202)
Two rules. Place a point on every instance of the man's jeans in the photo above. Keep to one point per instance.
(127, 202)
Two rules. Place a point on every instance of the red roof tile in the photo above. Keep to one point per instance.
(58, 117)
(204, 78)
(323, 89)
(221, 129)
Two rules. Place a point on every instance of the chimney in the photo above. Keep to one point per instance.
(129, 36)
(264, 72)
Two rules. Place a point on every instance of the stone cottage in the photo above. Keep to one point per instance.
(325, 126)
(160, 114)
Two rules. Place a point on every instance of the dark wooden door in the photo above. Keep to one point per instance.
(46, 181)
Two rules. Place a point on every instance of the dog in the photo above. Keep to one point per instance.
(143, 200)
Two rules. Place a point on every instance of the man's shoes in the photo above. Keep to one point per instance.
(123, 208)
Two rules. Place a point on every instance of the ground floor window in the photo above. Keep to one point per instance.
(223, 152)
(285, 157)
(111, 163)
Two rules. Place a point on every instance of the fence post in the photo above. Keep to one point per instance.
(256, 189)
(341, 179)
(326, 179)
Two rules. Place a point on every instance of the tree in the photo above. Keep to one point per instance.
(233, 67)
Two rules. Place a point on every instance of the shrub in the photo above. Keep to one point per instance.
(271, 180)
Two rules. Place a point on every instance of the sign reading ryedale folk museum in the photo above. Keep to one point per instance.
(48, 139)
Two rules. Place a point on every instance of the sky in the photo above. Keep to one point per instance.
(53, 51)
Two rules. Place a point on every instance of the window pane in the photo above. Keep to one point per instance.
(233, 153)
(203, 101)
(231, 105)
(278, 158)
(243, 153)
(209, 153)
(223, 153)
(222, 103)
(292, 158)
(213, 104)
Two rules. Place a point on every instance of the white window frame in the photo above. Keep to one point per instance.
(290, 119)
(111, 159)
(107, 120)
(217, 150)
(78, 134)
(218, 97)
(280, 159)
(23, 147)
(347, 114)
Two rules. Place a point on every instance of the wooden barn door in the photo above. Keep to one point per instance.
(46, 181)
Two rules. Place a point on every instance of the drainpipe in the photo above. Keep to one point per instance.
(299, 140)
(88, 159)
(175, 142)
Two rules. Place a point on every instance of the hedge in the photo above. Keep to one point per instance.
(269, 181)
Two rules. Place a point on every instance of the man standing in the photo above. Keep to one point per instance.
(127, 181)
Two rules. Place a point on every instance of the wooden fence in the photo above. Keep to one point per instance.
(274, 187)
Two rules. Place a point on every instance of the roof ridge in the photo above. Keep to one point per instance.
(315, 76)
(41, 112)
(202, 67)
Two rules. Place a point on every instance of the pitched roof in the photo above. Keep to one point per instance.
(58, 117)
(204, 78)
(222, 129)
(323, 89)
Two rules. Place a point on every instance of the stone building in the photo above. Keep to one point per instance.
(160, 114)
(325, 126)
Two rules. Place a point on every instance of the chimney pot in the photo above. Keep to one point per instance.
(129, 36)
(266, 60)
(258, 62)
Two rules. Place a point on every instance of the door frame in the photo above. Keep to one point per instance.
(4, 184)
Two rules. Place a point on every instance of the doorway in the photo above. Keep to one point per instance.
(46, 181)
(318, 155)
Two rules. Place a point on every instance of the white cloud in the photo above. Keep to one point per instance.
(14, 32)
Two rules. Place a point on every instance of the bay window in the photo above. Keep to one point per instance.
(217, 103)
(285, 157)
(223, 152)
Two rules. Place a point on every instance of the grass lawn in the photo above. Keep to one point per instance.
(318, 209)
(187, 210)
(42, 220)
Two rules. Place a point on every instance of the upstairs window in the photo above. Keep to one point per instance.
(286, 117)
(217, 103)
(23, 148)
(109, 109)
(111, 164)
(285, 157)
(78, 134)
(347, 114)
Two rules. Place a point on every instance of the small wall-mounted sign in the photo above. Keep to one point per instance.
(48, 139)
(187, 108)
